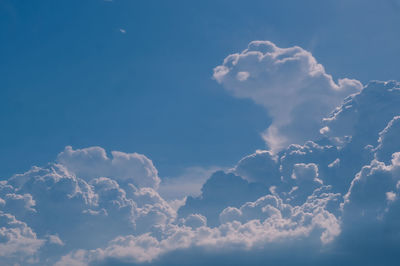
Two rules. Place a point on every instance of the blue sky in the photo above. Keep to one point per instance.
(70, 77)
(199, 132)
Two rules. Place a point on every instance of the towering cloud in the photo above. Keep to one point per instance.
(290, 84)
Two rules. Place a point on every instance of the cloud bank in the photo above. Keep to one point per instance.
(332, 200)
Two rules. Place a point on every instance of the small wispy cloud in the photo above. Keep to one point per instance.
(123, 31)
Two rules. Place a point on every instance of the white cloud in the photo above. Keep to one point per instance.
(335, 163)
(93, 162)
(391, 196)
(290, 84)
(243, 75)
(283, 201)
(304, 171)
(17, 240)
(121, 221)
(72, 213)
(388, 140)
(194, 220)
(317, 201)
(261, 223)
(54, 239)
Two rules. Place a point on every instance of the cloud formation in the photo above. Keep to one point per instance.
(93, 162)
(74, 205)
(333, 200)
(18, 241)
(290, 84)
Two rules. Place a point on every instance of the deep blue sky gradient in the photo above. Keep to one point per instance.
(68, 76)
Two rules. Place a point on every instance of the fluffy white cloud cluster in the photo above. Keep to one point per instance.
(281, 220)
(333, 200)
(17, 240)
(255, 224)
(55, 215)
(92, 162)
(301, 203)
(290, 84)
(58, 207)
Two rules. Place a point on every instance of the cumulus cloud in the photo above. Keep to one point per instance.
(374, 190)
(364, 114)
(220, 191)
(78, 221)
(73, 205)
(93, 162)
(18, 242)
(371, 212)
(290, 84)
(254, 225)
(262, 167)
(287, 219)
(333, 200)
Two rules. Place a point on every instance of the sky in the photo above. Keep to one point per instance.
(205, 132)
(71, 77)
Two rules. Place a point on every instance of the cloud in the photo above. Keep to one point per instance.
(86, 209)
(93, 162)
(373, 190)
(365, 114)
(74, 206)
(262, 167)
(220, 191)
(387, 142)
(18, 242)
(333, 200)
(194, 220)
(259, 224)
(188, 183)
(54, 239)
(97, 218)
(287, 219)
(290, 84)
(371, 212)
